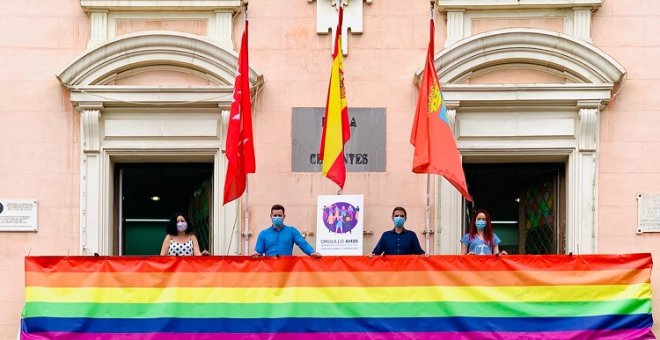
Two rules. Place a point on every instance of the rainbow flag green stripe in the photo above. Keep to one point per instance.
(335, 298)
(336, 310)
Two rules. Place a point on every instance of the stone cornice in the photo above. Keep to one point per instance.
(160, 5)
(447, 5)
(131, 96)
(526, 94)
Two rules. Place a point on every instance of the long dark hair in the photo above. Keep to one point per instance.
(171, 226)
(488, 232)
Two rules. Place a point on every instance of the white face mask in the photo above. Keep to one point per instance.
(181, 226)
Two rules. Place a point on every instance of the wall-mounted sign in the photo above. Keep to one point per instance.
(339, 224)
(648, 213)
(364, 152)
(18, 215)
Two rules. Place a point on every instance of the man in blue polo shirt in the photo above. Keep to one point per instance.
(398, 241)
(278, 239)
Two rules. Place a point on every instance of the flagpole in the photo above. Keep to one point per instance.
(340, 5)
(427, 222)
(427, 231)
(246, 228)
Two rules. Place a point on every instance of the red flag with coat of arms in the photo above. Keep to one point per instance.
(432, 137)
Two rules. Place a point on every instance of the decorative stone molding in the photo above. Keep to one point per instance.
(460, 13)
(455, 26)
(160, 5)
(582, 24)
(144, 49)
(89, 121)
(588, 132)
(527, 94)
(451, 106)
(224, 26)
(105, 13)
(99, 28)
(444, 5)
(578, 59)
(326, 19)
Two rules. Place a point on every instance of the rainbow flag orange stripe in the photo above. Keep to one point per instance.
(405, 297)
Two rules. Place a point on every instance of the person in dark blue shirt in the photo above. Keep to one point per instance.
(278, 239)
(398, 241)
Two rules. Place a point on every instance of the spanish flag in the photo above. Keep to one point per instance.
(435, 147)
(336, 130)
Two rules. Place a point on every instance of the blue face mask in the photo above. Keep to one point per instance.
(399, 221)
(278, 221)
(480, 224)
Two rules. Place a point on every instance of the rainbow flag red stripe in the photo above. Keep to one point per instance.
(405, 297)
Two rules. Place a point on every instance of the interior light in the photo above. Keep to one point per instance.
(517, 199)
(155, 198)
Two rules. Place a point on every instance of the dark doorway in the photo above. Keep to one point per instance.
(526, 202)
(148, 195)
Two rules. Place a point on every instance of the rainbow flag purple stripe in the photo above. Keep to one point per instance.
(404, 297)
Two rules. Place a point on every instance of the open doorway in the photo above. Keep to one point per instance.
(147, 196)
(526, 202)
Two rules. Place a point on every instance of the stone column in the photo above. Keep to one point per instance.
(222, 32)
(91, 233)
(455, 30)
(99, 28)
(582, 24)
(586, 231)
(448, 203)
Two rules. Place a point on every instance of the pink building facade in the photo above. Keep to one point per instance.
(552, 103)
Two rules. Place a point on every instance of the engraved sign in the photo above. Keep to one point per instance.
(648, 213)
(364, 151)
(18, 215)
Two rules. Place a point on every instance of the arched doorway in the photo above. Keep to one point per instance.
(151, 98)
(502, 113)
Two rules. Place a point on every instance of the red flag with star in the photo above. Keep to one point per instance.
(239, 144)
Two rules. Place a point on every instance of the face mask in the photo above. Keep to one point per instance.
(181, 226)
(399, 221)
(481, 224)
(277, 221)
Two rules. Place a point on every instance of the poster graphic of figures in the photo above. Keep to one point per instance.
(339, 224)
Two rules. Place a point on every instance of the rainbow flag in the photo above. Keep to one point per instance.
(397, 297)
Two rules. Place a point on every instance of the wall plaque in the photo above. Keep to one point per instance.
(364, 152)
(648, 213)
(18, 215)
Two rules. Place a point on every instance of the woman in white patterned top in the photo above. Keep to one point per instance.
(180, 239)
